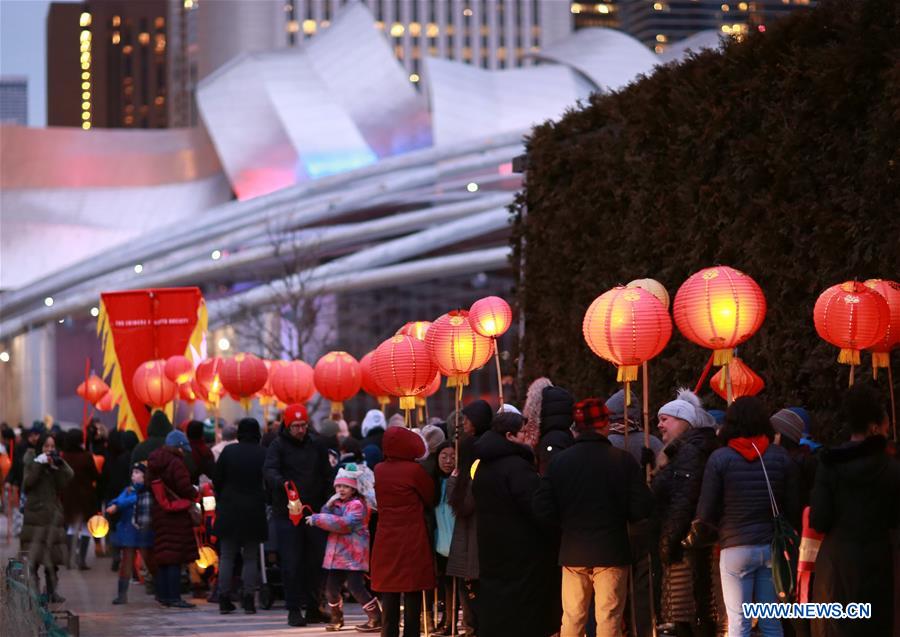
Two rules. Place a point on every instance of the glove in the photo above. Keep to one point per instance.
(648, 458)
(42, 459)
(309, 520)
(701, 535)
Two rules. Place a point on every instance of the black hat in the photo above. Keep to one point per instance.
(481, 414)
(139, 466)
(248, 430)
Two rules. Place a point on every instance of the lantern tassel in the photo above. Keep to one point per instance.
(627, 373)
(245, 404)
(879, 359)
(337, 408)
(407, 402)
(461, 380)
(722, 357)
(849, 357)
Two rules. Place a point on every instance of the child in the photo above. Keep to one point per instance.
(345, 517)
(133, 532)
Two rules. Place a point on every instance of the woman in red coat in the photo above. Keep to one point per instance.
(402, 560)
(174, 543)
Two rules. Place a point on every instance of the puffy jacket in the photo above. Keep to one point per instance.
(735, 499)
(43, 534)
(173, 531)
(305, 462)
(347, 523)
(127, 533)
(556, 420)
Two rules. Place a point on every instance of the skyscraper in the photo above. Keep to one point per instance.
(14, 100)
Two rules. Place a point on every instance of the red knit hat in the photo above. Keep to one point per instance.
(590, 413)
(294, 413)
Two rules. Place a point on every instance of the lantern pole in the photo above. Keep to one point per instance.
(84, 415)
(893, 404)
(852, 370)
(499, 374)
(425, 613)
(625, 411)
(729, 391)
(452, 607)
(646, 383)
(456, 425)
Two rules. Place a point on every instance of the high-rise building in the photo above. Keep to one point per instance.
(120, 64)
(14, 100)
(596, 14)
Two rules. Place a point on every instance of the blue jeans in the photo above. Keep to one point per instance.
(747, 577)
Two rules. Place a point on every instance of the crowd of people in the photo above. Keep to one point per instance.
(562, 518)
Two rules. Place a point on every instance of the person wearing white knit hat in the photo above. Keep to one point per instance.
(683, 413)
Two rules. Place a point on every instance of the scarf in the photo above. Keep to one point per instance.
(744, 446)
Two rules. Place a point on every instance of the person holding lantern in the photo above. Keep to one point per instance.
(294, 460)
(134, 531)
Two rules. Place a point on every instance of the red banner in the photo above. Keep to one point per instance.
(141, 325)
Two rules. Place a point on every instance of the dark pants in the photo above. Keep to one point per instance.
(168, 583)
(356, 584)
(300, 552)
(228, 550)
(412, 609)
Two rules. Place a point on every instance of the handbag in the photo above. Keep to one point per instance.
(785, 546)
(171, 503)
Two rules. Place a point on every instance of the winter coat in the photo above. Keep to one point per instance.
(519, 577)
(591, 491)
(374, 437)
(402, 559)
(556, 423)
(303, 461)
(856, 503)
(240, 493)
(43, 534)
(347, 524)
(686, 588)
(463, 558)
(17, 470)
(118, 469)
(79, 498)
(203, 459)
(134, 528)
(173, 531)
(735, 499)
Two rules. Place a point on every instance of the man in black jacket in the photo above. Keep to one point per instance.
(295, 457)
(591, 491)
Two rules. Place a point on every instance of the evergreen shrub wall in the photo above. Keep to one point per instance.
(779, 156)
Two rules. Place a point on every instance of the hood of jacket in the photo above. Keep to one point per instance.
(703, 438)
(556, 409)
(492, 446)
(159, 425)
(400, 443)
(373, 419)
(858, 462)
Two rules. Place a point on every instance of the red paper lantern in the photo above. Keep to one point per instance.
(881, 351)
(627, 326)
(456, 348)
(106, 402)
(266, 394)
(431, 390)
(243, 376)
(151, 384)
(369, 383)
(719, 308)
(189, 392)
(292, 381)
(403, 367)
(208, 380)
(851, 316)
(416, 329)
(179, 369)
(338, 378)
(744, 381)
(490, 316)
(92, 389)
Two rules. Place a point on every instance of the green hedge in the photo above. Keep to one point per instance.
(778, 156)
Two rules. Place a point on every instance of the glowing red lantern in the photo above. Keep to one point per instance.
(179, 369)
(744, 381)
(292, 381)
(266, 394)
(627, 326)
(490, 316)
(92, 389)
(208, 380)
(106, 402)
(151, 384)
(719, 308)
(851, 316)
(456, 348)
(243, 376)
(881, 351)
(189, 391)
(416, 329)
(338, 378)
(402, 366)
(369, 383)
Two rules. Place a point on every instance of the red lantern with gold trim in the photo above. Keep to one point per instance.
(490, 316)
(209, 381)
(93, 389)
(881, 351)
(744, 381)
(402, 366)
(189, 391)
(106, 402)
(369, 383)
(292, 381)
(179, 369)
(456, 348)
(416, 329)
(851, 316)
(243, 376)
(719, 308)
(337, 377)
(151, 384)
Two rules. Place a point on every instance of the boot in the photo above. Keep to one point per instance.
(337, 617)
(225, 605)
(123, 591)
(248, 601)
(84, 543)
(296, 618)
(373, 611)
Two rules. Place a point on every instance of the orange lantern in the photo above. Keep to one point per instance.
(243, 376)
(369, 384)
(416, 329)
(189, 391)
(337, 377)
(5, 466)
(92, 389)
(98, 526)
(719, 308)
(881, 351)
(106, 402)
(402, 366)
(627, 326)
(490, 316)
(208, 381)
(292, 381)
(456, 348)
(206, 557)
(179, 369)
(744, 381)
(851, 316)
(151, 384)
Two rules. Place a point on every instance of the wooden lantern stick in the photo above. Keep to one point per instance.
(852, 371)
(893, 404)
(499, 374)
(646, 383)
(729, 391)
